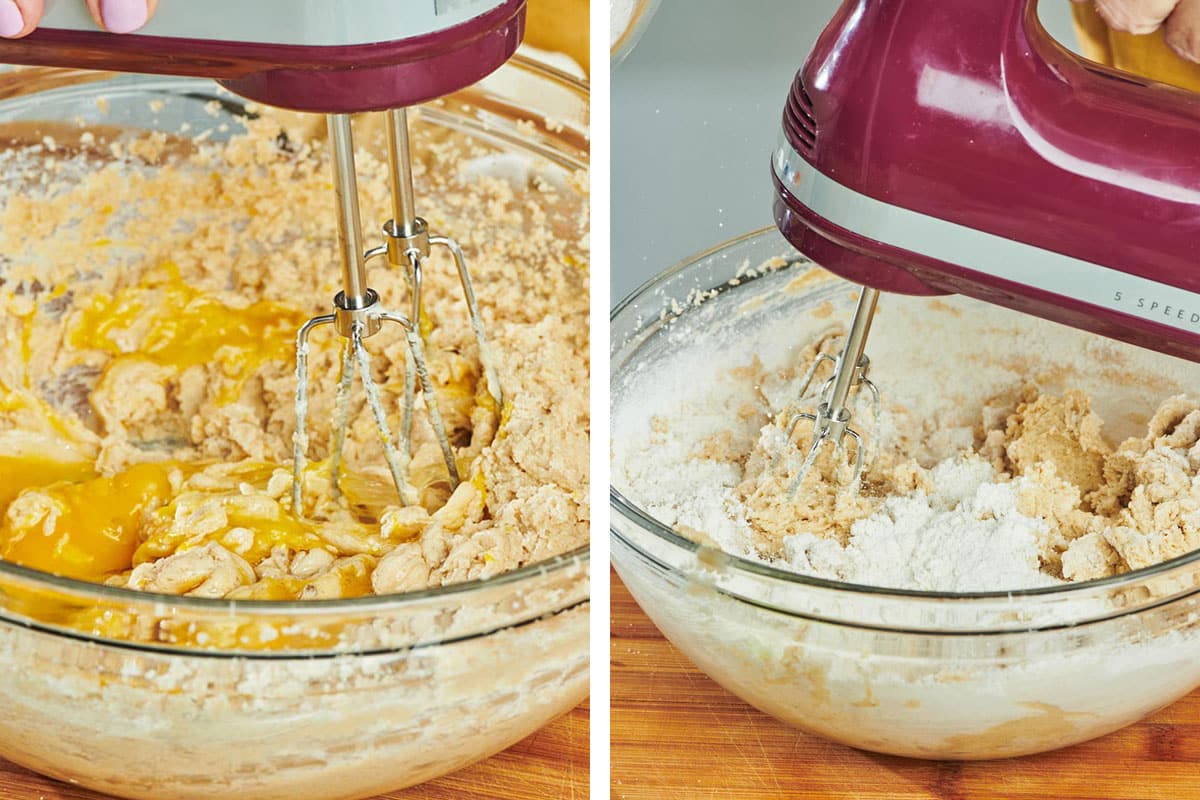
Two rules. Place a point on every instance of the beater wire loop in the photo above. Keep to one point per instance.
(358, 315)
(831, 421)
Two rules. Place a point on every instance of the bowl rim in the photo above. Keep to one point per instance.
(629, 38)
(17, 83)
(632, 513)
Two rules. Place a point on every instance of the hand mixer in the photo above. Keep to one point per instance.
(334, 58)
(936, 148)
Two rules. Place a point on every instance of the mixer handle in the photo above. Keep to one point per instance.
(1101, 123)
(328, 56)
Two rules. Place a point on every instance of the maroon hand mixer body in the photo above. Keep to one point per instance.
(327, 56)
(336, 58)
(935, 148)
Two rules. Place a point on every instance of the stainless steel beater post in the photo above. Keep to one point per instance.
(831, 422)
(355, 294)
(852, 352)
(357, 314)
(356, 305)
(409, 232)
(404, 205)
(409, 236)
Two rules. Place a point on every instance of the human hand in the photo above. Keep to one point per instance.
(1179, 18)
(21, 17)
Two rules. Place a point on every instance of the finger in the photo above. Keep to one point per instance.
(1135, 16)
(1183, 30)
(122, 16)
(19, 17)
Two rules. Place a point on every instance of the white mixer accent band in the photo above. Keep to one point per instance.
(986, 253)
(304, 23)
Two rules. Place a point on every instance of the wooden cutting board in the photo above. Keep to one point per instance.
(677, 734)
(552, 764)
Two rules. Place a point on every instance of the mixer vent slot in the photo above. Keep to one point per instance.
(799, 114)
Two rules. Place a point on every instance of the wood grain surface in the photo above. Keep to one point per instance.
(552, 764)
(677, 734)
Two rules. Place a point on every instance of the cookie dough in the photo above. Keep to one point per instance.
(151, 290)
(1096, 509)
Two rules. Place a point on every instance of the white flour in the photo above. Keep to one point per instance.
(965, 537)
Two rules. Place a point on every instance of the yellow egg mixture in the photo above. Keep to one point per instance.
(146, 372)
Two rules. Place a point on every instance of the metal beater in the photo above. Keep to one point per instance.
(831, 422)
(335, 58)
(358, 314)
(932, 148)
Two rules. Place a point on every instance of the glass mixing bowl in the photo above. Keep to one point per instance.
(327, 699)
(922, 674)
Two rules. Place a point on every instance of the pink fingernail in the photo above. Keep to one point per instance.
(123, 16)
(11, 21)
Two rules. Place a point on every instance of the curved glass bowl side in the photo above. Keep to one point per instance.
(145, 724)
(921, 694)
(918, 674)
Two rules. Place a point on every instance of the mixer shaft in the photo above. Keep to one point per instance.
(408, 245)
(852, 351)
(358, 314)
(831, 422)
(355, 294)
(404, 225)
(404, 204)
